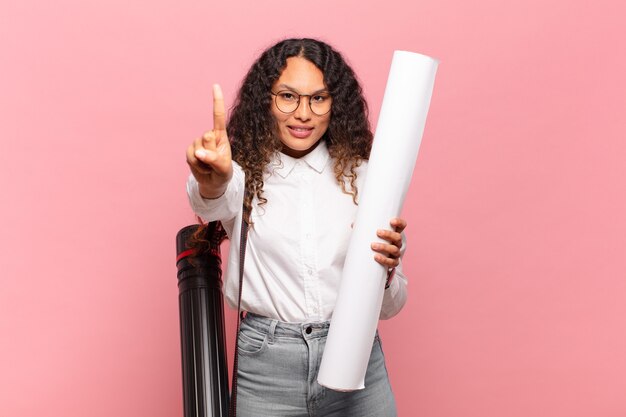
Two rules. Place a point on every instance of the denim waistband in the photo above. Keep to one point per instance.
(277, 328)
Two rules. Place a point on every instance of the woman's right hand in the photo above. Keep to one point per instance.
(209, 157)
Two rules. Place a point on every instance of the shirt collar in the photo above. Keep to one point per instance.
(316, 159)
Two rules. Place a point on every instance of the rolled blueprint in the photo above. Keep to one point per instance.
(394, 151)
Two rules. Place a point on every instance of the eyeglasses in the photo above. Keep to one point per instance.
(289, 101)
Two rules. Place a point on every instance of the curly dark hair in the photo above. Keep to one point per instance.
(252, 127)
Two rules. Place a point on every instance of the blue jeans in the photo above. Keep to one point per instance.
(278, 366)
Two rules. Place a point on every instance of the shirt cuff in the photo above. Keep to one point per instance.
(224, 207)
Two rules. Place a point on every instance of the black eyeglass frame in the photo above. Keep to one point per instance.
(298, 106)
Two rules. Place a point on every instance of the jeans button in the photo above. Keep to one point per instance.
(308, 330)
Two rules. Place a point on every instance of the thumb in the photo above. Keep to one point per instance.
(205, 155)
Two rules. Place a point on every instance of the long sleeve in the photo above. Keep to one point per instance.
(224, 208)
(395, 296)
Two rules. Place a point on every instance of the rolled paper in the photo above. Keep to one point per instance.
(390, 168)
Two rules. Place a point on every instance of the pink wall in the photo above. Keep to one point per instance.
(517, 231)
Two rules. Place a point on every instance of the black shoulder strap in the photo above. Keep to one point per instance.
(232, 409)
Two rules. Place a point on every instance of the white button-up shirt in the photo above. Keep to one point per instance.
(297, 245)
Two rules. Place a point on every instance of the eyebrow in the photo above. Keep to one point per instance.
(288, 87)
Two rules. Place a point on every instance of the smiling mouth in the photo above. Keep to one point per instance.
(300, 132)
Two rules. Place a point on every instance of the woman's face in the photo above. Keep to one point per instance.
(300, 131)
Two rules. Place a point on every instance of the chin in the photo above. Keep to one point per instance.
(298, 149)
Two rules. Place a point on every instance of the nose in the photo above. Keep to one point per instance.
(303, 112)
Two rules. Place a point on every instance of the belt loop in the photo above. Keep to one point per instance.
(271, 331)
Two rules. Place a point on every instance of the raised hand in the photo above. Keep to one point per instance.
(209, 157)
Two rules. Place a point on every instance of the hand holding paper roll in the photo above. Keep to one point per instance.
(389, 254)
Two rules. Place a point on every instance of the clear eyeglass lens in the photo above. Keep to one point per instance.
(288, 101)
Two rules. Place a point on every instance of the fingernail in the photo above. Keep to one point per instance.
(200, 154)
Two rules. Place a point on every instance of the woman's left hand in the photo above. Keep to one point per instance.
(388, 254)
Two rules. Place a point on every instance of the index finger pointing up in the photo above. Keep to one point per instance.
(219, 112)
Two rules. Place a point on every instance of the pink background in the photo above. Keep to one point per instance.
(517, 230)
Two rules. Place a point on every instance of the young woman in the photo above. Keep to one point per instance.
(294, 155)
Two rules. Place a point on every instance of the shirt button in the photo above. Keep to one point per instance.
(310, 271)
(308, 330)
